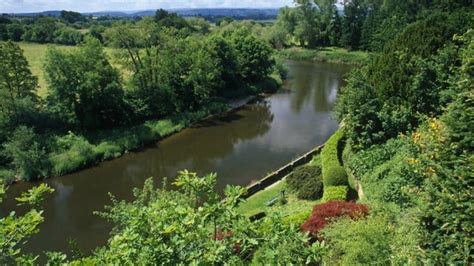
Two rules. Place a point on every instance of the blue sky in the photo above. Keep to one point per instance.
(20, 6)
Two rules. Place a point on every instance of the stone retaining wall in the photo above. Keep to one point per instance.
(282, 172)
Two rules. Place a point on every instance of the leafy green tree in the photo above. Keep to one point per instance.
(253, 56)
(352, 22)
(42, 30)
(71, 16)
(26, 153)
(17, 86)
(170, 20)
(306, 30)
(140, 45)
(15, 230)
(84, 89)
(68, 36)
(15, 31)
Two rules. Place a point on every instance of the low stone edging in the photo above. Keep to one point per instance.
(277, 175)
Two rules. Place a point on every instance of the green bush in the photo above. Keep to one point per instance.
(335, 193)
(306, 182)
(360, 242)
(333, 173)
(74, 152)
(312, 189)
(27, 155)
(298, 218)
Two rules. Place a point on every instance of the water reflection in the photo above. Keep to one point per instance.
(239, 147)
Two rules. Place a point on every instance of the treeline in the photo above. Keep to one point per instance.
(71, 28)
(355, 24)
(408, 117)
(161, 71)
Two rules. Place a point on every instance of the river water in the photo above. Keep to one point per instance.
(239, 147)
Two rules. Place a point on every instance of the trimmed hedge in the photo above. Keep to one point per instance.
(335, 193)
(333, 173)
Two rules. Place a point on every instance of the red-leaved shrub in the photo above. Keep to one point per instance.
(324, 213)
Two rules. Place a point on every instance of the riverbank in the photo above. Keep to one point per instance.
(84, 151)
(326, 54)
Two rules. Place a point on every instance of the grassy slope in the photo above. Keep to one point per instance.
(327, 54)
(257, 202)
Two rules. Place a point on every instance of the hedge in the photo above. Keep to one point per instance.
(333, 173)
(335, 193)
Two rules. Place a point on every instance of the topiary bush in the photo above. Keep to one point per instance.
(324, 213)
(312, 189)
(306, 181)
(335, 193)
(333, 173)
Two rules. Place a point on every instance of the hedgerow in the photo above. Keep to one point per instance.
(333, 173)
(335, 193)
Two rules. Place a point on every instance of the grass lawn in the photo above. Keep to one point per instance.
(325, 54)
(258, 202)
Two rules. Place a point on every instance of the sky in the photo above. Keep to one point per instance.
(24, 6)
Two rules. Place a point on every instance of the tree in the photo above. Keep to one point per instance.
(253, 56)
(306, 30)
(352, 22)
(68, 36)
(170, 20)
(16, 81)
(71, 16)
(15, 230)
(42, 30)
(84, 89)
(15, 31)
(28, 156)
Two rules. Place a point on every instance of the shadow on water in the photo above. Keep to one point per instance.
(239, 147)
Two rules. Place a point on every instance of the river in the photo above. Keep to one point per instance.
(239, 147)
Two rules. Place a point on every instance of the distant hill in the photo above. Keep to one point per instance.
(238, 13)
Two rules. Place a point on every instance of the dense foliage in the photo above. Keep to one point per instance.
(306, 181)
(408, 120)
(160, 71)
(324, 213)
(195, 225)
(15, 230)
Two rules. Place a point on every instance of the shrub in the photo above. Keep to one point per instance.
(333, 173)
(312, 189)
(335, 193)
(362, 242)
(74, 153)
(306, 182)
(26, 154)
(299, 218)
(323, 214)
(300, 175)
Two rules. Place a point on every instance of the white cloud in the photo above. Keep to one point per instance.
(17, 6)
